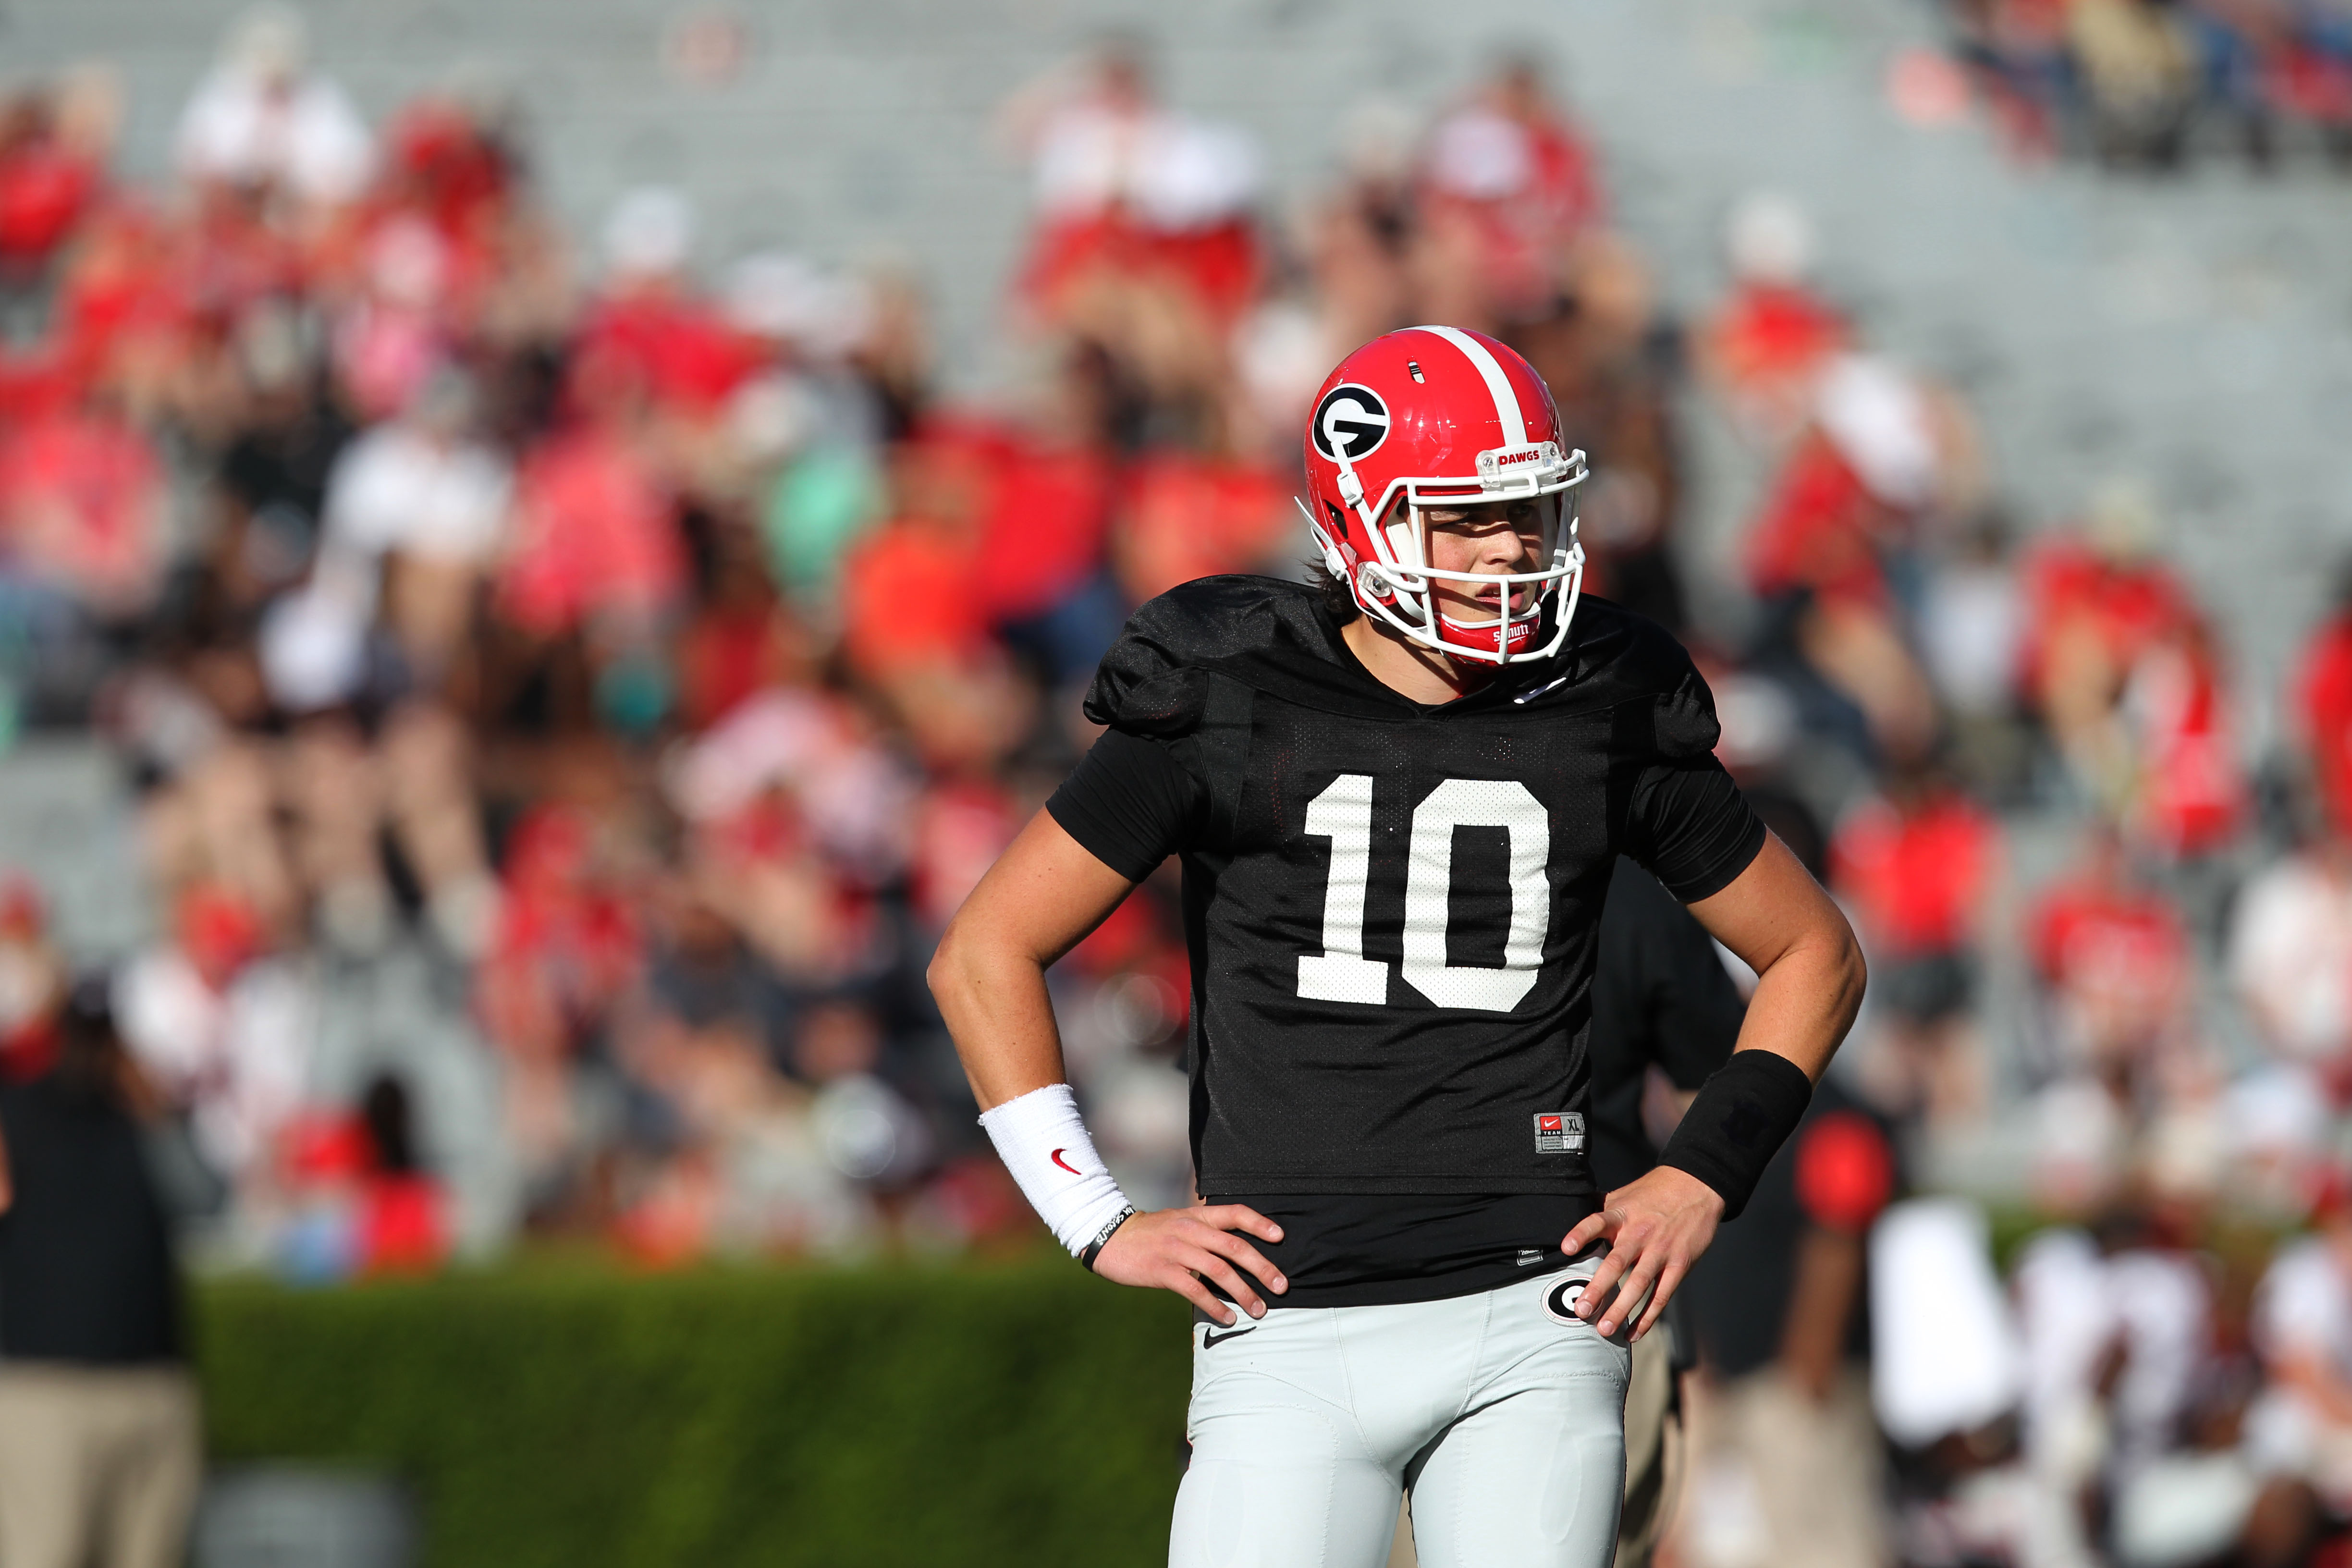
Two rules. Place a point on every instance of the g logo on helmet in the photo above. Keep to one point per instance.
(1351, 422)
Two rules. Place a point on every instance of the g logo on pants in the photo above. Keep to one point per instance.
(1559, 1301)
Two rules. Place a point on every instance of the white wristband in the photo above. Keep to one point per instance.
(1042, 1142)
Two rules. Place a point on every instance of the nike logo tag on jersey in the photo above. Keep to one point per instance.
(1529, 1258)
(1539, 691)
(1213, 1339)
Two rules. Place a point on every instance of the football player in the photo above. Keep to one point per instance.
(1398, 800)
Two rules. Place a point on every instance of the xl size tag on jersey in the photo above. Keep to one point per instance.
(1559, 1132)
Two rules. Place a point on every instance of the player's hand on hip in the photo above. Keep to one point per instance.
(1187, 1249)
(1656, 1227)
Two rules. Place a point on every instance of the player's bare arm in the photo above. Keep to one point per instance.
(989, 975)
(1809, 980)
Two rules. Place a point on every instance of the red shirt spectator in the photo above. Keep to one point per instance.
(2323, 702)
(2115, 955)
(653, 343)
(959, 830)
(1916, 870)
(2089, 930)
(1818, 530)
(45, 188)
(1523, 180)
(1768, 344)
(1044, 532)
(595, 534)
(2192, 791)
(907, 598)
(566, 945)
(83, 506)
(2124, 607)
(1192, 517)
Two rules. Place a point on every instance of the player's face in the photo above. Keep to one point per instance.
(1492, 538)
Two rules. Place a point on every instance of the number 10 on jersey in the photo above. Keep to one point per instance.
(1343, 814)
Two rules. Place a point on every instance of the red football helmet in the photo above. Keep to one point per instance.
(1439, 416)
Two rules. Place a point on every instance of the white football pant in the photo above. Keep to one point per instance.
(1500, 1414)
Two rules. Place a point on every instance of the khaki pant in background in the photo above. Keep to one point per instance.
(1781, 1480)
(1654, 1459)
(99, 1466)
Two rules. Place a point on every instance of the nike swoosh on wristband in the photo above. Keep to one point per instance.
(1213, 1339)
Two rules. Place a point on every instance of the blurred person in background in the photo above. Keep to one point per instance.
(2139, 65)
(1145, 242)
(1917, 864)
(2299, 1432)
(99, 1445)
(2290, 959)
(1972, 631)
(2131, 1084)
(2319, 707)
(1786, 1465)
(1665, 1016)
(225, 1030)
(55, 140)
(1883, 454)
(1767, 343)
(1508, 185)
(266, 122)
(2098, 600)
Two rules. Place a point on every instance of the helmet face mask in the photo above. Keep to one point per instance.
(1436, 420)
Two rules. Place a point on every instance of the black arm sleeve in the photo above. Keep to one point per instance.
(1130, 803)
(1692, 827)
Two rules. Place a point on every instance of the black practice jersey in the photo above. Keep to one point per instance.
(1391, 908)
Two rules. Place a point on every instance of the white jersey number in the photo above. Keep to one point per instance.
(1343, 814)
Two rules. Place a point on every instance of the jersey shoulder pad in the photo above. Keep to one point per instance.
(1154, 681)
(1615, 656)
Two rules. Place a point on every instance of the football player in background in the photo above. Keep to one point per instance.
(1398, 799)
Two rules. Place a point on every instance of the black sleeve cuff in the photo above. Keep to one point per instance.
(1741, 1117)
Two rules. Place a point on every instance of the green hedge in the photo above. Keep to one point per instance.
(577, 1416)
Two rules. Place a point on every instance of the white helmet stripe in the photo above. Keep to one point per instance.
(1506, 400)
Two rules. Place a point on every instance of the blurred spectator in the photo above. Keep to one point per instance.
(1786, 1467)
(2320, 708)
(2098, 602)
(1972, 630)
(1772, 337)
(1143, 213)
(423, 501)
(223, 1029)
(2291, 959)
(1880, 452)
(32, 983)
(264, 120)
(2141, 72)
(1507, 186)
(2297, 1434)
(84, 510)
(54, 142)
(100, 1444)
(359, 1198)
(1918, 865)
(2114, 955)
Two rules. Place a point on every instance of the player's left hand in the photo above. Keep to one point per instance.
(1656, 1227)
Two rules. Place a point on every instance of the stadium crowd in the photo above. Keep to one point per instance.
(644, 662)
(2152, 84)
